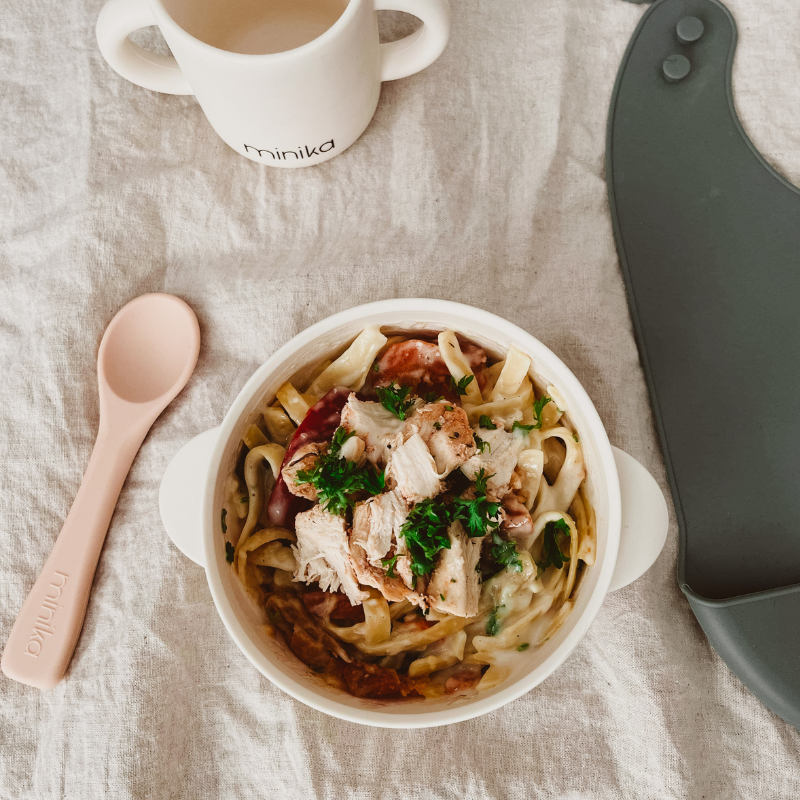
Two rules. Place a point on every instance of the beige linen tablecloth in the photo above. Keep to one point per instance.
(480, 180)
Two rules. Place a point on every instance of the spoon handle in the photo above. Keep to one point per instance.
(46, 630)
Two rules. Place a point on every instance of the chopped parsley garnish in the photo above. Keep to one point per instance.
(505, 553)
(443, 598)
(229, 551)
(274, 616)
(481, 444)
(432, 397)
(243, 499)
(552, 554)
(478, 515)
(538, 407)
(224, 524)
(493, 624)
(460, 387)
(393, 398)
(376, 367)
(425, 532)
(523, 428)
(437, 425)
(453, 580)
(575, 436)
(337, 480)
(522, 647)
(388, 565)
(486, 422)
(448, 408)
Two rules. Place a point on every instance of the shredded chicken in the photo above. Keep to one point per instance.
(304, 458)
(445, 430)
(414, 472)
(323, 554)
(498, 459)
(377, 523)
(379, 429)
(454, 587)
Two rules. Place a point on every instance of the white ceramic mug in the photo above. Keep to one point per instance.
(289, 109)
(632, 517)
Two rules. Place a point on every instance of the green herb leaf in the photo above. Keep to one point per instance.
(229, 551)
(448, 408)
(505, 553)
(523, 428)
(493, 624)
(552, 554)
(393, 398)
(376, 367)
(243, 499)
(538, 407)
(453, 580)
(338, 481)
(522, 647)
(443, 598)
(437, 425)
(425, 532)
(388, 565)
(481, 444)
(575, 436)
(460, 387)
(224, 524)
(432, 397)
(478, 515)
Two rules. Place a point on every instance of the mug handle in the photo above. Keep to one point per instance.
(419, 50)
(117, 20)
(645, 521)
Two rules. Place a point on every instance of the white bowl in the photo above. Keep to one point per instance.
(192, 492)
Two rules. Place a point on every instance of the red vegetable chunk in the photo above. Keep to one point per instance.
(419, 364)
(319, 425)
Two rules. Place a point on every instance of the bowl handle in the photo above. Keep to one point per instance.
(180, 497)
(645, 521)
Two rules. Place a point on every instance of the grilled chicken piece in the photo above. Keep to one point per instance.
(414, 472)
(303, 459)
(446, 431)
(379, 429)
(375, 536)
(323, 554)
(377, 523)
(454, 587)
(499, 460)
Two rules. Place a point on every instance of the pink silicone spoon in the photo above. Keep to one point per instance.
(146, 356)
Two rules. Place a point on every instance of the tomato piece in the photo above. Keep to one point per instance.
(371, 680)
(319, 425)
(419, 364)
(335, 605)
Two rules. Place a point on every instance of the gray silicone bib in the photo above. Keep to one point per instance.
(708, 236)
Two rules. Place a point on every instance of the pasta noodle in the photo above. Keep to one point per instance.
(279, 427)
(295, 404)
(352, 584)
(351, 368)
(458, 365)
(515, 370)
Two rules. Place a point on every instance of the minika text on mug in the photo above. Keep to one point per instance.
(281, 155)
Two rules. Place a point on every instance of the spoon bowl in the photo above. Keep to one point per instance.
(149, 350)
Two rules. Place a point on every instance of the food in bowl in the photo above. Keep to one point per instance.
(412, 515)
